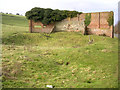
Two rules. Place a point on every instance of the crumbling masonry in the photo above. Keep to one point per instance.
(97, 26)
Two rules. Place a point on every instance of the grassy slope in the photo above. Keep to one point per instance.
(34, 60)
(14, 20)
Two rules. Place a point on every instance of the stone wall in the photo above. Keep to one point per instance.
(97, 26)
(70, 24)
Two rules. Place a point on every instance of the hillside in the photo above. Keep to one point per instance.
(61, 59)
(14, 20)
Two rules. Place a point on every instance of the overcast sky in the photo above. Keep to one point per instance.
(21, 6)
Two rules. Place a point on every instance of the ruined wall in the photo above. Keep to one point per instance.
(71, 24)
(38, 27)
(103, 32)
(103, 20)
(97, 26)
(99, 20)
(94, 21)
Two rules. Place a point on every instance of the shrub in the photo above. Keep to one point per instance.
(87, 19)
(47, 16)
(110, 19)
(17, 14)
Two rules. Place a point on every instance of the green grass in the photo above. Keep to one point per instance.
(34, 60)
(14, 20)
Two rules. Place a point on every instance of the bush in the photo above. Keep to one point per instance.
(17, 14)
(47, 16)
(110, 19)
(87, 19)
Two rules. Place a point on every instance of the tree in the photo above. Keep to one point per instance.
(17, 14)
(35, 14)
(47, 16)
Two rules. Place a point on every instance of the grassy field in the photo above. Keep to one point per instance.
(14, 20)
(61, 59)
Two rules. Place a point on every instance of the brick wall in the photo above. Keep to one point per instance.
(97, 26)
(104, 32)
(41, 28)
(94, 21)
(99, 20)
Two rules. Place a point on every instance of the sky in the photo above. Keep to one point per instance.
(21, 6)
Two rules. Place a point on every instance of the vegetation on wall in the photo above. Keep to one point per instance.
(110, 19)
(47, 16)
(87, 19)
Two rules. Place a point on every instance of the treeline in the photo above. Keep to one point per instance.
(47, 16)
(11, 13)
